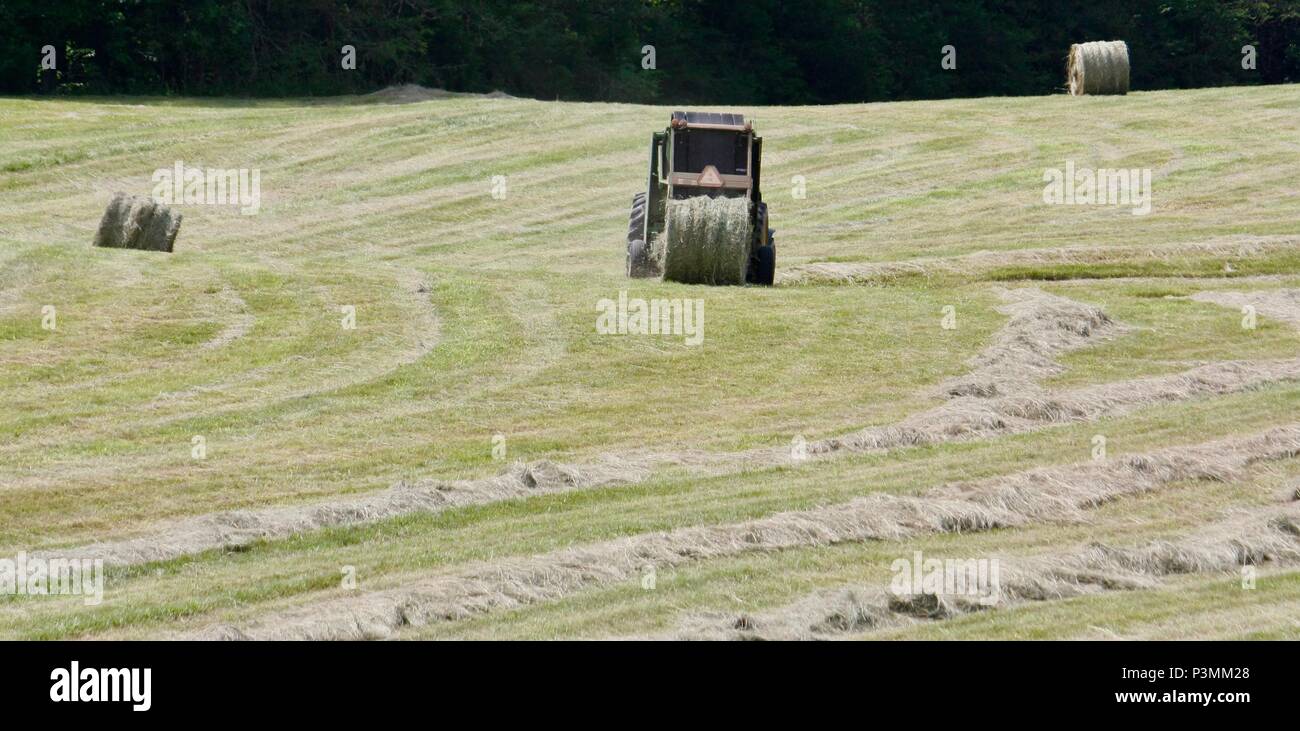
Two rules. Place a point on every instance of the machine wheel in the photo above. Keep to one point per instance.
(639, 263)
(763, 267)
(762, 263)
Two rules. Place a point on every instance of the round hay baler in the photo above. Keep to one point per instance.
(702, 219)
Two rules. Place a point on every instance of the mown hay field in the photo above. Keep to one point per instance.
(937, 333)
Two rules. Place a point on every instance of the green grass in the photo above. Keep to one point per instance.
(1190, 608)
(1287, 262)
(476, 316)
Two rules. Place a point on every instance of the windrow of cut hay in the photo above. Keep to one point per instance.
(235, 529)
(1041, 327)
(1002, 396)
(1036, 496)
(1281, 304)
(1258, 537)
(707, 241)
(982, 262)
(970, 418)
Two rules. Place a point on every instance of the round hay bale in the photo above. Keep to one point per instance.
(135, 222)
(1099, 67)
(707, 241)
(110, 226)
(160, 234)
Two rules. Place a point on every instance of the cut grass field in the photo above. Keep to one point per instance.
(476, 317)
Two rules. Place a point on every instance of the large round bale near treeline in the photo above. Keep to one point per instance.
(1099, 67)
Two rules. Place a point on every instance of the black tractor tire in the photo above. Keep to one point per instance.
(763, 267)
(639, 263)
(762, 262)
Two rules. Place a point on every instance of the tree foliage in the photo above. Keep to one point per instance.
(706, 51)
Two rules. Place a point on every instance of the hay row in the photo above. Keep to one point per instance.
(235, 529)
(1268, 535)
(1041, 327)
(1035, 496)
(1282, 304)
(981, 262)
(967, 418)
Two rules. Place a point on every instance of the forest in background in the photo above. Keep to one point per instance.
(714, 51)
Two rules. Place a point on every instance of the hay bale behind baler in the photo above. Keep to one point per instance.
(707, 241)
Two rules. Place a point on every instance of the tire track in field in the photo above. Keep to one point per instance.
(244, 390)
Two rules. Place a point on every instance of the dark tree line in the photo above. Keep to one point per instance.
(715, 51)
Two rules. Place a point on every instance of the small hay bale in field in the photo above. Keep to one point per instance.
(707, 241)
(133, 222)
(1099, 67)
